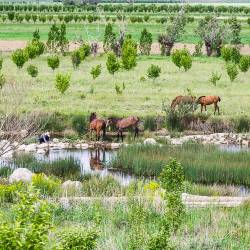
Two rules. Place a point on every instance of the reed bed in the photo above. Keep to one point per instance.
(202, 163)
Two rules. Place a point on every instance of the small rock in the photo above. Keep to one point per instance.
(85, 145)
(21, 174)
(55, 140)
(150, 141)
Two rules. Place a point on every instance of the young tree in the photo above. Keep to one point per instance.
(182, 58)
(129, 53)
(62, 82)
(53, 62)
(19, 57)
(57, 40)
(153, 71)
(235, 28)
(244, 63)
(112, 63)
(109, 38)
(145, 42)
(232, 71)
(213, 34)
(96, 71)
(173, 33)
(76, 58)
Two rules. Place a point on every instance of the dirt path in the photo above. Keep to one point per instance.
(188, 199)
(8, 46)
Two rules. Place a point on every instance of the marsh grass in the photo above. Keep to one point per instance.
(202, 164)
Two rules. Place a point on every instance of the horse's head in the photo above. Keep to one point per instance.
(110, 121)
(92, 116)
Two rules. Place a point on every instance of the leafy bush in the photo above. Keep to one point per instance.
(96, 71)
(112, 63)
(19, 57)
(53, 62)
(153, 71)
(31, 51)
(84, 50)
(226, 53)
(244, 63)
(46, 185)
(30, 225)
(32, 70)
(231, 54)
(129, 53)
(215, 78)
(39, 47)
(62, 82)
(8, 192)
(109, 38)
(145, 42)
(232, 71)
(182, 58)
(76, 58)
(80, 124)
(78, 238)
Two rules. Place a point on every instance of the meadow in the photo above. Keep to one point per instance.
(141, 96)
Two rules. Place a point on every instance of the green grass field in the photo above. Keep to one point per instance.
(95, 31)
(139, 97)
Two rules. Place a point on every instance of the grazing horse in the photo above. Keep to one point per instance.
(124, 123)
(208, 100)
(183, 100)
(98, 125)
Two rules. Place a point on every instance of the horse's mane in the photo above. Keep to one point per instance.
(92, 117)
(200, 97)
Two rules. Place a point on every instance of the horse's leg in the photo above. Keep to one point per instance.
(136, 132)
(122, 135)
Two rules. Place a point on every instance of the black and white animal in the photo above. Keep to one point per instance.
(44, 138)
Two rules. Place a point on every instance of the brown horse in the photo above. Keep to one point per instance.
(98, 125)
(208, 100)
(124, 123)
(95, 162)
(183, 100)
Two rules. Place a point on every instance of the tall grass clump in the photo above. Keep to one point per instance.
(202, 164)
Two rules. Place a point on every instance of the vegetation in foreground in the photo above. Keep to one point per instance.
(202, 164)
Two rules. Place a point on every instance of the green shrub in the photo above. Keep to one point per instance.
(226, 53)
(129, 53)
(32, 70)
(62, 82)
(8, 192)
(182, 58)
(30, 225)
(235, 55)
(153, 71)
(244, 63)
(47, 186)
(112, 63)
(96, 71)
(31, 51)
(39, 47)
(145, 42)
(84, 50)
(2, 80)
(231, 54)
(19, 57)
(55, 122)
(53, 62)
(80, 124)
(215, 78)
(78, 238)
(149, 123)
(232, 71)
(76, 58)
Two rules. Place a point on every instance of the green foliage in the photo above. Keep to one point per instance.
(53, 62)
(112, 63)
(2, 80)
(47, 186)
(84, 50)
(8, 192)
(62, 82)
(226, 53)
(182, 58)
(215, 78)
(1, 63)
(31, 51)
(32, 70)
(242, 124)
(57, 40)
(19, 57)
(80, 124)
(244, 63)
(235, 28)
(145, 42)
(248, 21)
(118, 89)
(76, 58)
(153, 71)
(231, 54)
(129, 53)
(232, 71)
(79, 238)
(29, 228)
(96, 71)
(109, 38)
(149, 123)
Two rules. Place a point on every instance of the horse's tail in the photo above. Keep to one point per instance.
(219, 99)
(198, 100)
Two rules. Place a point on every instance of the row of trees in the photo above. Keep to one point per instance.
(166, 8)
